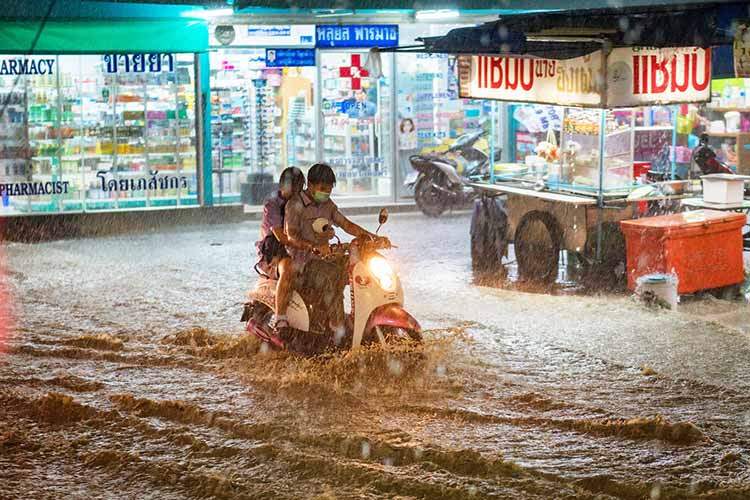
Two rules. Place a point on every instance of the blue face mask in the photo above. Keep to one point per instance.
(321, 196)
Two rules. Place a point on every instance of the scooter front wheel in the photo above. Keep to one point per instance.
(394, 335)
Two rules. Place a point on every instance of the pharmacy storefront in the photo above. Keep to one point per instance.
(293, 95)
(113, 128)
(119, 125)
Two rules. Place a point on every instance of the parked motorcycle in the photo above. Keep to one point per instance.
(441, 180)
(377, 299)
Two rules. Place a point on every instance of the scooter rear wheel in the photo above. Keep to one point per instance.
(431, 200)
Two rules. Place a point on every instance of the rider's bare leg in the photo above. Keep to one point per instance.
(284, 286)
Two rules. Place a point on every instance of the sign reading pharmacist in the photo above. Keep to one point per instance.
(635, 76)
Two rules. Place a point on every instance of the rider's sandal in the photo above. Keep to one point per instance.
(280, 325)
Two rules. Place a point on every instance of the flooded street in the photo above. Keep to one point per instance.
(130, 372)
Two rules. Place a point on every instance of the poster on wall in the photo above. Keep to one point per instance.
(635, 77)
(281, 58)
(741, 49)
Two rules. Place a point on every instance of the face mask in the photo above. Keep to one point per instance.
(321, 196)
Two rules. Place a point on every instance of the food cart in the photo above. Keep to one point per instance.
(574, 191)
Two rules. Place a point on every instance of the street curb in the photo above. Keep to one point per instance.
(47, 227)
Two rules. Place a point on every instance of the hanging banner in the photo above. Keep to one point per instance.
(570, 82)
(251, 35)
(356, 35)
(742, 49)
(635, 77)
(638, 76)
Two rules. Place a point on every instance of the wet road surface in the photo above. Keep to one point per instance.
(128, 376)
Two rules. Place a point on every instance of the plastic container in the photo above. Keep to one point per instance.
(663, 286)
(732, 119)
(641, 168)
(723, 189)
(702, 248)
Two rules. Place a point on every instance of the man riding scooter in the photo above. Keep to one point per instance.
(302, 211)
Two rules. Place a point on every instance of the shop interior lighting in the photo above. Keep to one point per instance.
(209, 13)
(333, 12)
(436, 15)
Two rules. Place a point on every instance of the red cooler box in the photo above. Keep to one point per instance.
(703, 248)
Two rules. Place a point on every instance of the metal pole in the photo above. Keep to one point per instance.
(493, 117)
(395, 153)
(600, 195)
(675, 110)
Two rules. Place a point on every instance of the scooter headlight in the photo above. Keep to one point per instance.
(383, 272)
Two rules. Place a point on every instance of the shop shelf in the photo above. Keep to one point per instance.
(724, 134)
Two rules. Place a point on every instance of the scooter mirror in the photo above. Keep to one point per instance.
(383, 216)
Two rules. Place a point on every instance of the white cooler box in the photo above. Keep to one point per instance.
(723, 189)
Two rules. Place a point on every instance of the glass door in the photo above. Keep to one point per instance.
(262, 121)
(357, 124)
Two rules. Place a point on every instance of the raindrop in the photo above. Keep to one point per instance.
(502, 31)
(338, 335)
(387, 461)
(441, 370)
(624, 23)
(472, 490)
(418, 451)
(365, 451)
(395, 367)
(264, 348)
(656, 492)
(484, 40)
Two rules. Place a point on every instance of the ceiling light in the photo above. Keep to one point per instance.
(333, 13)
(209, 13)
(436, 15)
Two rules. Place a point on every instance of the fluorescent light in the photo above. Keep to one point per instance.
(333, 13)
(436, 15)
(209, 13)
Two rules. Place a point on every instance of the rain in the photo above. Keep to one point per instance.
(512, 334)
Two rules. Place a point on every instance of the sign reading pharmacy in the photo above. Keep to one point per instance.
(356, 35)
(138, 63)
(26, 66)
(635, 76)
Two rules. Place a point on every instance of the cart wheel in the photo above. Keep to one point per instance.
(430, 200)
(611, 268)
(537, 244)
(489, 243)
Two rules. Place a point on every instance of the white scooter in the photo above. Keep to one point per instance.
(377, 312)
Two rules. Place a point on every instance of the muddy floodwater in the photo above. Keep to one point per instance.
(128, 375)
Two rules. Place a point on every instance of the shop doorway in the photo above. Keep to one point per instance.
(262, 121)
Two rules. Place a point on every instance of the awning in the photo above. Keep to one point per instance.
(562, 35)
(104, 36)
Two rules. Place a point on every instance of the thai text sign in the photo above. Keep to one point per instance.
(571, 82)
(639, 76)
(356, 35)
(138, 63)
(635, 77)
